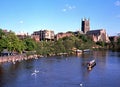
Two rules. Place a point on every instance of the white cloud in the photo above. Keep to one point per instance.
(117, 3)
(68, 7)
(71, 7)
(64, 10)
(21, 22)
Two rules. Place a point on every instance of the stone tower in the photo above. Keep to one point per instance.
(85, 26)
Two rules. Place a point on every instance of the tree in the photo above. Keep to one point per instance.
(59, 47)
(14, 43)
(69, 43)
(101, 43)
(30, 44)
(84, 38)
(118, 43)
(1, 33)
(10, 41)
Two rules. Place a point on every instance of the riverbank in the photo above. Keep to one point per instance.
(20, 57)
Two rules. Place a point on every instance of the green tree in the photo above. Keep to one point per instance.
(3, 44)
(14, 43)
(118, 43)
(29, 44)
(10, 41)
(1, 33)
(83, 37)
(101, 43)
(59, 47)
(69, 44)
(39, 48)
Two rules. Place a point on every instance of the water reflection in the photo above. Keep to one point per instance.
(63, 71)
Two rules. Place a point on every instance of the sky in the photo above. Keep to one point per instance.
(59, 15)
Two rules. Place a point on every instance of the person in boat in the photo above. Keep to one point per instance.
(92, 61)
(91, 64)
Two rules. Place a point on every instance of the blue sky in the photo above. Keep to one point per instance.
(59, 15)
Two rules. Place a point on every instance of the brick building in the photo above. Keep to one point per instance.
(62, 35)
(43, 35)
(36, 37)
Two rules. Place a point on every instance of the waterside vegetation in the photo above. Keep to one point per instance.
(66, 45)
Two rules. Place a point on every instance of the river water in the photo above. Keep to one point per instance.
(63, 71)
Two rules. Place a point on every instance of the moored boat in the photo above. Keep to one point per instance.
(86, 50)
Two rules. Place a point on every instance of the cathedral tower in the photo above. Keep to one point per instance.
(85, 26)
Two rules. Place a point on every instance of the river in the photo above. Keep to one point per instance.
(63, 71)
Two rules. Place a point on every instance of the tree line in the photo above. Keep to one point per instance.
(64, 45)
(10, 41)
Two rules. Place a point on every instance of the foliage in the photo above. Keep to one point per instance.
(45, 48)
(65, 45)
(101, 43)
(118, 43)
(10, 41)
(1, 34)
(115, 45)
(59, 47)
(29, 44)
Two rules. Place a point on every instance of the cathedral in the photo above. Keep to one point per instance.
(96, 35)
